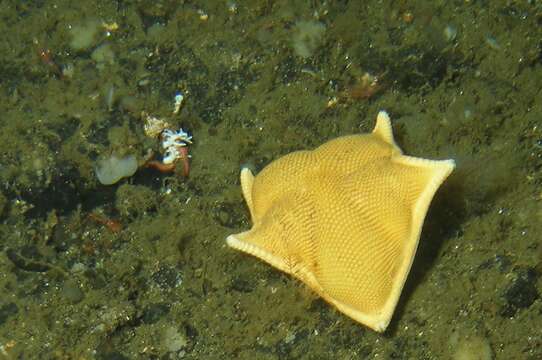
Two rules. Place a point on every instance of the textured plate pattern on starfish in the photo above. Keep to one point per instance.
(344, 218)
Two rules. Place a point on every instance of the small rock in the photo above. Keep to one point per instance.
(154, 312)
(470, 346)
(173, 339)
(111, 169)
(72, 292)
(7, 311)
(521, 292)
(167, 277)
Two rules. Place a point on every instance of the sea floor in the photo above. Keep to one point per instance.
(140, 269)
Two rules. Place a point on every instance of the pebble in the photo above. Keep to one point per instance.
(521, 292)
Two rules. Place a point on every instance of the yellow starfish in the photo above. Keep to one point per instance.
(344, 218)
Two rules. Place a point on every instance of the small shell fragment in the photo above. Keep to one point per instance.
(178, 102)
(153, 126)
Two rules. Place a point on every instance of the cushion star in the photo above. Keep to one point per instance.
(344, 218)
